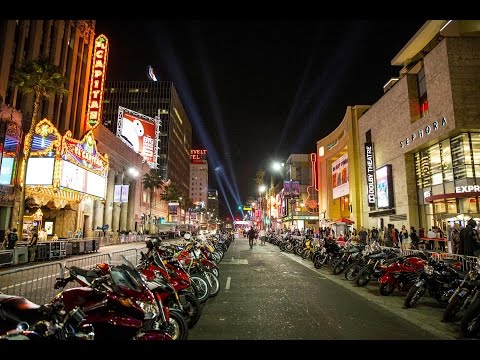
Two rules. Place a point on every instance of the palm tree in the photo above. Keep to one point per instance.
(151, 181)
(259, 176)
(171, 192)
(42, 79)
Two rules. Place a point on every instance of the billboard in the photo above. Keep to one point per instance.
(340, 185)
(295, 188)
(40, 171)
(6, 171)
(76, 178)
(120, 193)
(139, 132)
(287, 190)
(384, 187)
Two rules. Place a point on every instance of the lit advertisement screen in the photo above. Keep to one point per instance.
(76, 178)
(6, 171)
(95, 184)
(40, 171)
(384, 187)
(138, 133)
(340, 185)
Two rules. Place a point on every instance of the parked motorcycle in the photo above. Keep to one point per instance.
(22, 319)
(465, 294)
(183, 297)
(116, 301)
(401, 274)
(439, 277)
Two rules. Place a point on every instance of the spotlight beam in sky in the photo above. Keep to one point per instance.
(213, 98)
(345, 49)
(182, 85)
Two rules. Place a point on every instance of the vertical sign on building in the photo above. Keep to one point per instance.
(370, 172)
(97, 82)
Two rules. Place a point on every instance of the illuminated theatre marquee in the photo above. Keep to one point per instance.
(97, 81)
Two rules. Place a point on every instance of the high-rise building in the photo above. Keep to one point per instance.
(156, 99)
(212, 202)
(199, 177)
(67, 44)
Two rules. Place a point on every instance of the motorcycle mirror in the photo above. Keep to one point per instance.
(22, 326)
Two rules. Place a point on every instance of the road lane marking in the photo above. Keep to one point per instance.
(227, 286)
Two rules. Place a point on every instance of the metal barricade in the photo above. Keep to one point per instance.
(468, 262)
(89, 261)
(131, 255)
(34, 283)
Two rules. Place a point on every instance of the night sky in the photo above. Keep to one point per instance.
(256, 91)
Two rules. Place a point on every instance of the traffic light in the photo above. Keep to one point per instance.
(239, 207)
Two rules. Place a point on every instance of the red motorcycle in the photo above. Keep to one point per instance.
(116, 301)
(401, 273)
(183, 297)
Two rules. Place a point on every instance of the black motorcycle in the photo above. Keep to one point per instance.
(25, 320)
(465, 294)
(441, 278)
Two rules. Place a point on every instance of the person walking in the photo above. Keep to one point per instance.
(12, 239)
(404, 237)
(469, 244)
(455, 238)
(251, 237)
(262, 234)
(32, 245)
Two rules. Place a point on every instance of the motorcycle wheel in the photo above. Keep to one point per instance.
(305, 254)
(351, 271)
(386, 289)
(298, 251)
(363, 277)
(178, 329)
(318, 262)
(414, 294)
(338, 269)
(470, 324)
(192, 308)
(203, 287)
(215, 272)
(214, 283)
(452, 309)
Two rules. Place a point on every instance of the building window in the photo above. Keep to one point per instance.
(422, 93)
(452, 159)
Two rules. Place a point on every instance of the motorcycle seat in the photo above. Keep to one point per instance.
(87, 274)
(16, 308)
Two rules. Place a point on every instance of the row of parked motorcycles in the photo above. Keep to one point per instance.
(160, 298)
(456, 289)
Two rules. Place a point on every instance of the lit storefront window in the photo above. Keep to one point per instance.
(452, 159)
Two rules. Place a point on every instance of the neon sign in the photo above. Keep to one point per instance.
(97, 81)
(84, 153)
(198, 156)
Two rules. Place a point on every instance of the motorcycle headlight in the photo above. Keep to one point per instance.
(428, 269)
(149, 308)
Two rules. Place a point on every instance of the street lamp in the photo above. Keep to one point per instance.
(276, 167)
(261, 190)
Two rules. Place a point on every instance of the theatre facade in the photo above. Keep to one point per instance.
(419, 144)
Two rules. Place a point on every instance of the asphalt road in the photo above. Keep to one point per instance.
(270, 295)
(267, 294)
